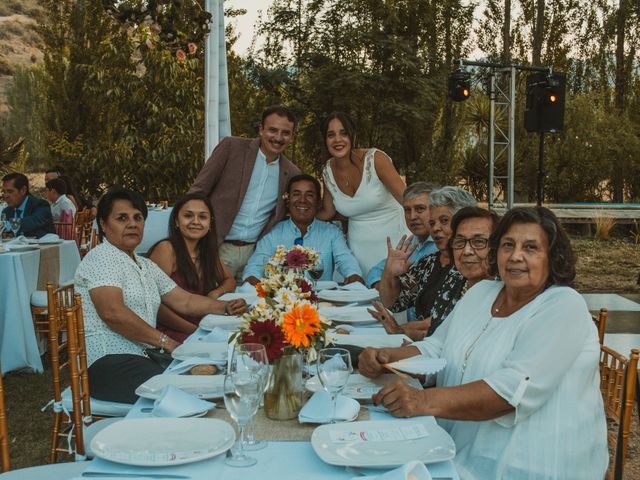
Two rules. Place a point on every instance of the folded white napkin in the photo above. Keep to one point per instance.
(191, 362)
(420, 365)
(225, 322)
(217, 335)
(318, 409)
(246, 287)
(413, 470)
(326, 285)
(353, 287)
(21, 240)
(174, 402)
(49, 237)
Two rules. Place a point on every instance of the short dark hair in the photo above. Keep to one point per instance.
(467, 213)
(105, 204)
(562, 263)
(307, 178)
(281, 111)
(58, 185)
(19, 180)
(57, 169)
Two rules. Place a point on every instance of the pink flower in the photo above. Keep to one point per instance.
(295, 258)
(150, 44)
(192, 48)
(180, 55)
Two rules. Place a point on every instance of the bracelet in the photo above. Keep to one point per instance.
(163, 342)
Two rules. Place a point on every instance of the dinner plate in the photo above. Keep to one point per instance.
(21, 248)
(250, 297)
(201, 386)
(346, 296)
(420, 365)
(361, 387)
(226, 322)
(215, 351)
(364, 341)
(382, 443)
(326, 285)
(356, 314)
(155, 442)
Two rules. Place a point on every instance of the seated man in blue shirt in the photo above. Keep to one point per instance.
(302, 228)
(416, 214)
(34, 213)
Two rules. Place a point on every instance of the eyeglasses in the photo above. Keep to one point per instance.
(477, 243)
(298, 241)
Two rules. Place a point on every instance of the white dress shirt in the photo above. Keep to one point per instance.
(62, 204)
(142, 284)
(259, 201)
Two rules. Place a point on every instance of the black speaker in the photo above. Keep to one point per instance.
(544, 111)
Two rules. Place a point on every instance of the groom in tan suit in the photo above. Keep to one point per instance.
(245, 178)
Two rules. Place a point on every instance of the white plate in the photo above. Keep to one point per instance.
(326, 285)
(347, 314)
(420, 365)
(437, 446)
(361, 387)
(155, 442)
(207, 350)
(226, 322)
(22, 248)
(364, 341)
(201, 386)
(345, 296)
(249, 297)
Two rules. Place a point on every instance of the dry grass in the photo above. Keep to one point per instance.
(602, 267)
(604, 225)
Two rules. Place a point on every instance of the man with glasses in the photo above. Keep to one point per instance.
(302, 228)
(34, 213)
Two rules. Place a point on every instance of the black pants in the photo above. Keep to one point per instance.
(115, 377)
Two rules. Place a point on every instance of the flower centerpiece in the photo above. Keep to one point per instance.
(286, 321)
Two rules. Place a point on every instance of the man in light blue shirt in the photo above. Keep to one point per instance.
(416, 214)
(302, 228)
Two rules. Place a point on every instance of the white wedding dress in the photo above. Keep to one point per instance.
(373, 214)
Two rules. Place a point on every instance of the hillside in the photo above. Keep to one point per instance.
(19, 42)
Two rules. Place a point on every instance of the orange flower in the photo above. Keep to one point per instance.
(300, 324)
(260, 290)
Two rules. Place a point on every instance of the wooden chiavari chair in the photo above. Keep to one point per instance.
(84, 231)
(617, 383)
(601, 323)
(4, 432)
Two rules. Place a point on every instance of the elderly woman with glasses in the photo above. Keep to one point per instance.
(520, 391)
(432, 285)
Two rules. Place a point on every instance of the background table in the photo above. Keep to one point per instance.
(19, 278)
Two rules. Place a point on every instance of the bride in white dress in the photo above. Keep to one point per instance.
(363, 185)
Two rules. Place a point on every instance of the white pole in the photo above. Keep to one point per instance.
(216, 88)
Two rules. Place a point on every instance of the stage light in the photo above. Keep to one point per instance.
(459, 84)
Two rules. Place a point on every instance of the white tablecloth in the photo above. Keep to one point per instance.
(19, 278)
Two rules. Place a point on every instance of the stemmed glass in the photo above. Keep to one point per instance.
(251, 357)
(3, 225)
(14, 225)
(316, 274)
(334, 369)
(242, 392)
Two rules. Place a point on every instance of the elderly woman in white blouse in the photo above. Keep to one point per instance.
(121, 293)
(520, 393)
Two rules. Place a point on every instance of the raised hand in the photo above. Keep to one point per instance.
(398, 262)
(385, 317)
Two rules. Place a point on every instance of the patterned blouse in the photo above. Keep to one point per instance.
(415, 283)
(142, 284)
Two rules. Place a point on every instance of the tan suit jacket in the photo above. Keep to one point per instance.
(225, 176)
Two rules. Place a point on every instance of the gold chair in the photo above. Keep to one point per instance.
(4, 435)
(65, 230)
(617, 384)
(601, 323)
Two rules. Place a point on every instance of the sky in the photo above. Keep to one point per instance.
(244, 24)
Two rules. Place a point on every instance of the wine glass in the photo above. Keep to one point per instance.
(14, 225)
(316, 274)
(3, 224)
(334, 369)
(242, 392)
(251, 357)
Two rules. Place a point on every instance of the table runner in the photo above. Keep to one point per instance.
(49, 270)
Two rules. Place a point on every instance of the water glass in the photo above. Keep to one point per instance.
(14, 225)
(334, 370)
(242, 392)
(251, 357)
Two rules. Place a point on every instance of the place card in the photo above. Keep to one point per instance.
(410, 432)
